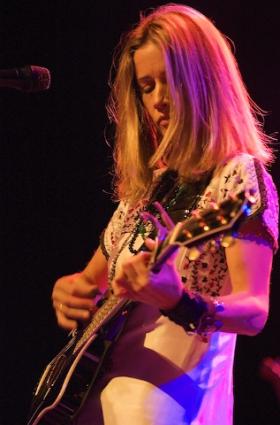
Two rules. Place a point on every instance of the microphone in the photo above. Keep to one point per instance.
(30, 78)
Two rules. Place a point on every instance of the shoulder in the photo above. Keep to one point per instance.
(245, 173)
(239, 173)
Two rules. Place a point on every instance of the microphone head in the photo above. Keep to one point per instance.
(34, 78)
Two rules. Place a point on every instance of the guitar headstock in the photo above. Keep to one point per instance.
(218, 219)
(205, 225)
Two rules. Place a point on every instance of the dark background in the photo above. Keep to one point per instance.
(55, 174)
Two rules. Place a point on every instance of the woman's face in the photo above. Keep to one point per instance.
(151, 79)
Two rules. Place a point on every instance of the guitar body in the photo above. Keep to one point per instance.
(67, 380)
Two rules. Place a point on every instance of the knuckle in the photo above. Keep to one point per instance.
(127, 266)
(71, 289)
(72, 302)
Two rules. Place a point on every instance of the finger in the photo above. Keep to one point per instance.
(135, 269)
(143, 257)
(72, 301)
(72, 313)
(161, 230)
(133, 266)
(84, 288)
(150, 244)
(126, 288)
(128, 271)
(144, 260)
(66, 323)
(164, 215)
(76, 284)
(135, 292)
(119, 288)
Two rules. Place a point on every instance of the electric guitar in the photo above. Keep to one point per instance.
(68, 378)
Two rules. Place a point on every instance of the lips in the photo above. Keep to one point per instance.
(163, 121)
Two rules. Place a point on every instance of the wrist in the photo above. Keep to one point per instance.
(196, 314)
(171, 304)
(187, 311)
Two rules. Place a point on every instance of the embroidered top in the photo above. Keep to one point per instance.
(160, 375)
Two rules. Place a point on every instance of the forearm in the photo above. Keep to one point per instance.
(243, 313)
(240, 313)
(246, 308)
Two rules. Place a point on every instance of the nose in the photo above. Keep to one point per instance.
(161, 102)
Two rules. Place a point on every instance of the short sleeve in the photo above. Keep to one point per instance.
(244, 172)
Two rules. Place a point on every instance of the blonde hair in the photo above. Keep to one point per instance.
(212, 116)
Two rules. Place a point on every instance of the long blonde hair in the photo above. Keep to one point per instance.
(212, 116)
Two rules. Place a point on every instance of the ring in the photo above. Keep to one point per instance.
(60, 305)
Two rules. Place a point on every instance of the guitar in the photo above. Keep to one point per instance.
(68, 378)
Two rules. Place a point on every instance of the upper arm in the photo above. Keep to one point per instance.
(246, 308)
(249, 264)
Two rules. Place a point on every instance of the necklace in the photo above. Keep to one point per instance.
(178, 199)
(140, 228)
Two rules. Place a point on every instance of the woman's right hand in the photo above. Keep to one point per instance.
(73, 299)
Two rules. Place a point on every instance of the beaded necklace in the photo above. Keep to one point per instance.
(178, 199)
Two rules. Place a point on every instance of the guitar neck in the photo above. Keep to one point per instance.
(109, 308)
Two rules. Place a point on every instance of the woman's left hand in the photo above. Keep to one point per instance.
(137, 282)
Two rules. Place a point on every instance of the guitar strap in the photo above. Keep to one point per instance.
(179, 199)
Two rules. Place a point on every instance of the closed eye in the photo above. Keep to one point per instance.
(146, 85)
(146, 89)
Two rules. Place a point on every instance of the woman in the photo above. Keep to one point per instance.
(187, 134)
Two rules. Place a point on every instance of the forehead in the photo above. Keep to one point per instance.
(149, 61)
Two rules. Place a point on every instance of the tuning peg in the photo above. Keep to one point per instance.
(227, 241)
(187, 233)
(250, 195)
(222, 219)
(196, 214)
(214, 205)
(194, 253)
(213, 245)
(205, 227)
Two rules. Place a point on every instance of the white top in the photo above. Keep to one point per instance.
(160, 375)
